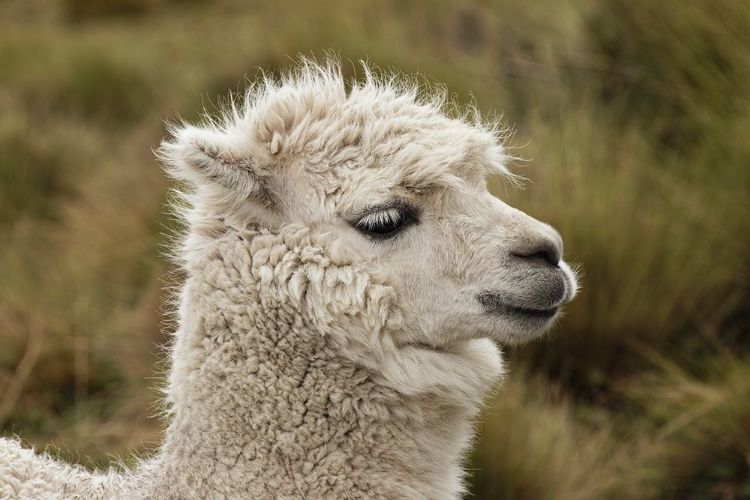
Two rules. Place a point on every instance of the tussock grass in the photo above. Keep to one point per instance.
(536, 444)
(701, 420)
(687, 65)
(32, 172)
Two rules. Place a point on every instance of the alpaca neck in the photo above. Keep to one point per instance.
(316, 427)
(265, 406)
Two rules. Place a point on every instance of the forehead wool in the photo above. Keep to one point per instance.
(314, 115)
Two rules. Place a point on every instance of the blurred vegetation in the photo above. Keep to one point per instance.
(635, 116)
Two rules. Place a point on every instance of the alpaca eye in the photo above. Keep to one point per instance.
(383, 223)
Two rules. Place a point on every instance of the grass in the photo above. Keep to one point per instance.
(633, 116)
(537, 443)
(701, 416)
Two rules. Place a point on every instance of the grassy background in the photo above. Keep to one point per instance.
(635, 116)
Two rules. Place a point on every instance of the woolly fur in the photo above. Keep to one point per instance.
(311, 360)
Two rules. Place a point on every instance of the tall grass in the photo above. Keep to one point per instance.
(634, 119)
(537, 444)
(701, 418)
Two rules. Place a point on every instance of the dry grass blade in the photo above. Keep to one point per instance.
(22, 372)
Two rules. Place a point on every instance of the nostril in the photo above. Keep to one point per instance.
(547, 256)
(546, 251)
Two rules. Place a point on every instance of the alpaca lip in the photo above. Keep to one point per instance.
(536, 313)
(495, 304)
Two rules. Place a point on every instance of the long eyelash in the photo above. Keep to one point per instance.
(376, 220)
(382, 217)
(395, 205)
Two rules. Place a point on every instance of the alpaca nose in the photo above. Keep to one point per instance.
(543, 248)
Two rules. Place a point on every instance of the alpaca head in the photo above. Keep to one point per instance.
(382, 176)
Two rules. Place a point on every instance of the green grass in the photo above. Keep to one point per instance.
(634, 119)
(536, 443)
(701, 424)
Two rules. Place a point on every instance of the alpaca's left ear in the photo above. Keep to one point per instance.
(207, 157)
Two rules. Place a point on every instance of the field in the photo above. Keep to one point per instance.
(632, 127)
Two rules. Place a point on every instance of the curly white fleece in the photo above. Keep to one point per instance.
(267, 407)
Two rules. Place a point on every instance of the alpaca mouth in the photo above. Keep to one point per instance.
(494, 304)
(535, 313)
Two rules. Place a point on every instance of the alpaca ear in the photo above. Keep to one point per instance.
(207, 157)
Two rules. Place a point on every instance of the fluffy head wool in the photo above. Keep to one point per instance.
(347, 276)
(310, 121)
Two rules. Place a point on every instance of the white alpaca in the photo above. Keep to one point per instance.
(348, 274)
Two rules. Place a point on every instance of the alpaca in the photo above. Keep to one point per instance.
(348, 276)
